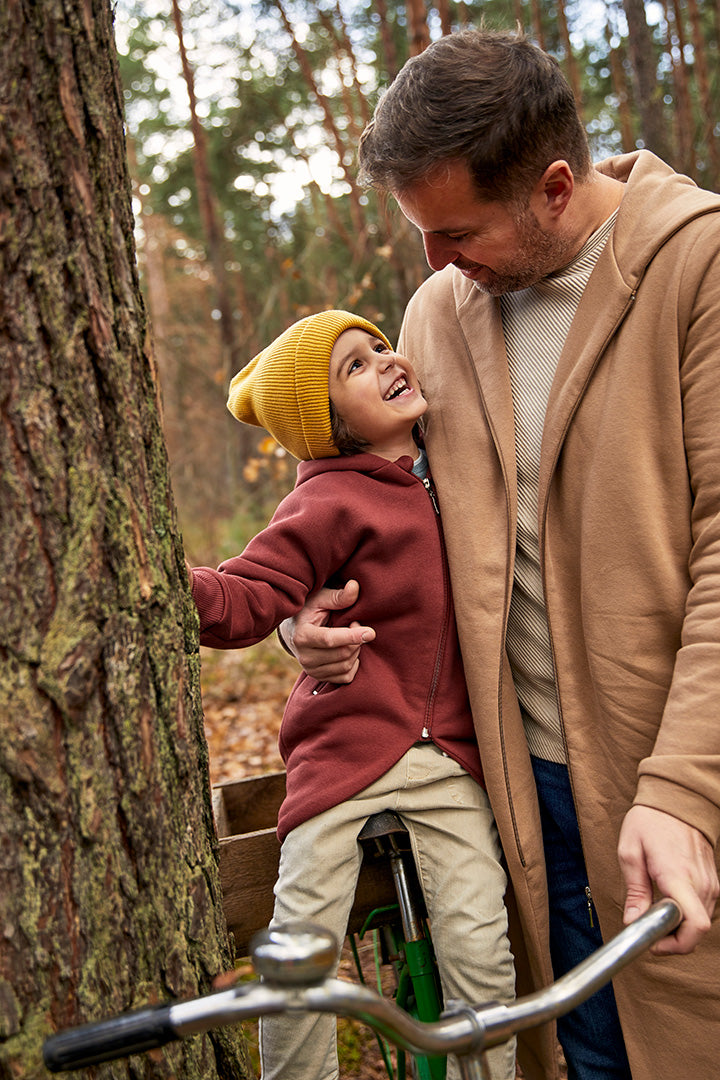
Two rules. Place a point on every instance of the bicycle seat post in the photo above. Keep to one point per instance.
(386, 833)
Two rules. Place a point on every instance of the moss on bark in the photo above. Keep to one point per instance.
(111, 893)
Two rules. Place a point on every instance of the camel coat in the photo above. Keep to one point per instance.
(629, 526)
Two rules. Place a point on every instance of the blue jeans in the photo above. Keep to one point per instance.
(590, 1035)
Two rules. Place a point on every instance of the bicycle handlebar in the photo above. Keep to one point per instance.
(106, 1040)
(463, 1030)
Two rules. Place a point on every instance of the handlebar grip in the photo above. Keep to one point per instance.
(106, 1040)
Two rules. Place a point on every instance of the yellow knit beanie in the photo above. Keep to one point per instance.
(285, 388)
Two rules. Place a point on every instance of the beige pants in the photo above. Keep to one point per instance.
(456, 849)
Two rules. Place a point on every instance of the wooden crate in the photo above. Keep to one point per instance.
(246, 818)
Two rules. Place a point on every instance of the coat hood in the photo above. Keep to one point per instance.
(356, 463)
(658, 202)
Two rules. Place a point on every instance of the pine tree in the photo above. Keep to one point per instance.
(110, 891)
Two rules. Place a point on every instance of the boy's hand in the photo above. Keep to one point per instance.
(327, 653)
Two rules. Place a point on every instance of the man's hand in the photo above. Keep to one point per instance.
(655, 847)
(327, 653)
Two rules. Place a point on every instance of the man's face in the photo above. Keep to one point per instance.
(498, 246)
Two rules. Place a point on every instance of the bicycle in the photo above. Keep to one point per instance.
(404, 937)
(294, 963)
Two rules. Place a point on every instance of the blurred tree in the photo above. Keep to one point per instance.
(418, 30)
(706, 102)
(683, 118)
(110, 890)
(616, 59)
(207, 204)
(573, 73)
(648, 87)
(537, 23)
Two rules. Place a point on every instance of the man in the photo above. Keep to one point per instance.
(569, 347)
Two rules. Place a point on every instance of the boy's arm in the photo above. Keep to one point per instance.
(247, 597)
(326, 653)
(250, 595)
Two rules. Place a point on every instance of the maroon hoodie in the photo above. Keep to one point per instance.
(373, 520)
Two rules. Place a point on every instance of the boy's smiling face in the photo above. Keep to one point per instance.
(376, 392)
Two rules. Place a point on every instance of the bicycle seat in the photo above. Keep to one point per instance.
(386, 823)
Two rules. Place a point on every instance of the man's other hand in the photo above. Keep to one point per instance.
(656, 848)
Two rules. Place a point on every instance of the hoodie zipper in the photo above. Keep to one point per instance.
(426, 733)
(431, 492)
(440, 652)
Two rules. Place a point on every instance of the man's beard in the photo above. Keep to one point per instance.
(539, 253)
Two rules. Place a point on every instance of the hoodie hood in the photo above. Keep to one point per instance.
(658, 201)
(370, 464)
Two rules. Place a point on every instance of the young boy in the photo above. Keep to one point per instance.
(400, 736)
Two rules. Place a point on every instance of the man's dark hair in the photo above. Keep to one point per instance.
(490, 99)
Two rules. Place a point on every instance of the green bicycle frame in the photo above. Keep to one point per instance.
(418, 990)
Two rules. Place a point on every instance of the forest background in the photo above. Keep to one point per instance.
(242, 122)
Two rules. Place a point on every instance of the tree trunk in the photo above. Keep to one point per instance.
(343, 53)
(236, 440)
(537, 23)
(683, 118)
(443, 10)
(570, 61)
(342, 149)
(518, 13)
(418, 31)
(620, 87)
(343, 36)
(212, 227)
(648, 90)
(110, 889)
(711, 171)
(392, 64)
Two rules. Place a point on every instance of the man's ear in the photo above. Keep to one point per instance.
(553, 191)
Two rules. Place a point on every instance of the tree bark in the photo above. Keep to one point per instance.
(110, 891)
